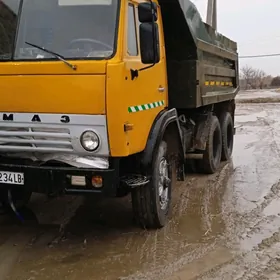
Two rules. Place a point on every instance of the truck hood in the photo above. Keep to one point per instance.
(52, 87)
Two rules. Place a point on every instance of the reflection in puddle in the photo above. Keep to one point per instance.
(102, 243)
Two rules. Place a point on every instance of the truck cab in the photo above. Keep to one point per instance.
(100, 43)
(89, 102)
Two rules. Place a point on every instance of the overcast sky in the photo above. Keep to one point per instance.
(255, 25)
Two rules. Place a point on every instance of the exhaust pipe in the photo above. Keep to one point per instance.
(212, 14)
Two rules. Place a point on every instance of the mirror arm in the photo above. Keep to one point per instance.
(135, 73)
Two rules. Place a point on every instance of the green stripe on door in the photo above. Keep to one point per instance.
(145, 107)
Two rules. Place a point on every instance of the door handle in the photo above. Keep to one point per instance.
(161, 89)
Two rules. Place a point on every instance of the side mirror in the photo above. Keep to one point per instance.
(147, 12)
(149, 43)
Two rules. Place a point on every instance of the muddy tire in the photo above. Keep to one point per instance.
(151, 202)
(227, 135)
(20, 198)
(212, 155)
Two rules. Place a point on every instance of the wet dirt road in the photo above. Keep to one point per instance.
(223, 226)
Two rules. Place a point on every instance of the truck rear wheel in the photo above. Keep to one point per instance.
(212, 156)
(151, 202)
(227, 135)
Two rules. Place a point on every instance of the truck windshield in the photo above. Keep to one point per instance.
(74, 29)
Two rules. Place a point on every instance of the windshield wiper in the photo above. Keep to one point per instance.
(58, 56)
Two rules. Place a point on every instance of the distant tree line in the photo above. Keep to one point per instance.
(252, 78)
(275, 82)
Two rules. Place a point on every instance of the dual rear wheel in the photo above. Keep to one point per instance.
(219, 145)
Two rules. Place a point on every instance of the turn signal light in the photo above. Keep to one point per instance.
(97, 181)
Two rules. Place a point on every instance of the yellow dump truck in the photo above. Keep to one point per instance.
(112, 97)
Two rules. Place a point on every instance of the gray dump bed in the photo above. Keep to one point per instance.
(202, 64)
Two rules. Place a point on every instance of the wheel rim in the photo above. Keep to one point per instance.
(164, 182)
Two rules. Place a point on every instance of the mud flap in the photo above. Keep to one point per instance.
(202, 133)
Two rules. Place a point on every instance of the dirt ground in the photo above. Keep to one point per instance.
(223, 226)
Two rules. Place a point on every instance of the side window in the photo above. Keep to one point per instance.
(132, 48)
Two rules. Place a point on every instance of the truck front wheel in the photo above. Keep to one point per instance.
(212, 155)
(151, 202)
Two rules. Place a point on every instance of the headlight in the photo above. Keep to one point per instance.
(90, 141)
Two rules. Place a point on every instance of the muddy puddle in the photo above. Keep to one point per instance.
(223, 226)
(100, 241)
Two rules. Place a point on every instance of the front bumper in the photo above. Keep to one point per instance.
(57, 179)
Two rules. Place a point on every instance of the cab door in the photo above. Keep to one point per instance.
(146, 95)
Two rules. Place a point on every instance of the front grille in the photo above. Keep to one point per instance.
(23, 138)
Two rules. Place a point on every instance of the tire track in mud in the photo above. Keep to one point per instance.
(265, 146)
(256, 232)
(147, 254)
(205, 212)
(262, 251)
(181, 198)
(10, 250)
(251, 265)
(162, 239)
(171, 252)
(165, 241)
(22, 237)
(253, 218)
(143, 254)
(255, 227)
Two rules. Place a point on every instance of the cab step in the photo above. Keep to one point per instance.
(134, 181)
